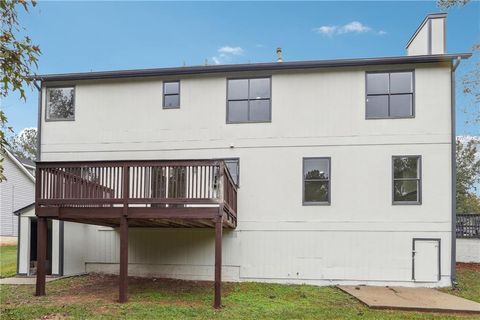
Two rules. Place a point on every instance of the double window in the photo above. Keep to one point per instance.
(316, 180)
(171, 94)
(248, 100)
(407, 179)
(60, 104)
(390, 95)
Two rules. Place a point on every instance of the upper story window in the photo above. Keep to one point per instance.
(249, 100)
(390, 95)
(407, 180)
(60, 104)
(316, 181)
(171, 94)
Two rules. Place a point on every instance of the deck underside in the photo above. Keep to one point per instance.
(141, 217)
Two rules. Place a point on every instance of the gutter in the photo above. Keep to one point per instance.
(251, 67)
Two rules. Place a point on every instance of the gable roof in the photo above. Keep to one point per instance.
(269, 66)
(20, 165)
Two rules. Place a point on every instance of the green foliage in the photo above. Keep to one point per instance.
(24, 144)
(468, 283)
(471, 81)
(445, 4)
(471, 87)
(93, 297)
(3, 141)
(468, 176)
(8, 261)
(18, 57)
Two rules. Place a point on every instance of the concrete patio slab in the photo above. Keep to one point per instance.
(414, 299)
(24, 280)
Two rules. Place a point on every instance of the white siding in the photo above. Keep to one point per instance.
(419, 46)
(360, 238)
(16, 192)
(438, 36)
(468, 250)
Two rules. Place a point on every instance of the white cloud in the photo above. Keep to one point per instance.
(382, 33)
(351, 27)
(231, 50)
(327, 30)
(354, 26)
(226, 54)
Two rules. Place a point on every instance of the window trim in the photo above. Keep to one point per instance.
(419, 179)
(74, 87)
(227, 100)
(389, 71)
(318, 203)
(170, 94)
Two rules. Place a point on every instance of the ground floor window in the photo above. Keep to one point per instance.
(316, 181)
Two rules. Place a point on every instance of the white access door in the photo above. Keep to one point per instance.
(426, 260)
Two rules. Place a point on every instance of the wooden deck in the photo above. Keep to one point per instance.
(123, 194)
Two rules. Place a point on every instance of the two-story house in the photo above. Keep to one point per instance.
(320, 172)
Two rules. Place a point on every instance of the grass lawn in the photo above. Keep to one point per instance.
(93, 297)
(8, 261)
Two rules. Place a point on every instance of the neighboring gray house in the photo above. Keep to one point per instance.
(16, 192)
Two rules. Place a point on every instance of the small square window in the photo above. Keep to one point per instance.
(389, 95)
(248, 100)
(171, 94)
(60, 104)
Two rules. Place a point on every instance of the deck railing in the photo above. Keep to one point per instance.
(166, 183)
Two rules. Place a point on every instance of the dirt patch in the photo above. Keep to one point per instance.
(469, 266)
(103, 289)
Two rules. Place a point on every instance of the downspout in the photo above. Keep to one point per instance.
(453, 259)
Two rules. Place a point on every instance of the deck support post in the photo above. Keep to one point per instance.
(41, 255)
(218, 260)
(123, 278)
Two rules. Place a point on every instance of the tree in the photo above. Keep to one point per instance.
(468, 176)
(24, 144)
(445, 4)
(18, 58)
(471, 81)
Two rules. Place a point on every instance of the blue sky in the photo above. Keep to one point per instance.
(94, 36)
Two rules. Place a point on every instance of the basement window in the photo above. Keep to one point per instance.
(248, 100)
(316, 181)
(171, 94)
(407, 180)
(60, 104)
(390, 95)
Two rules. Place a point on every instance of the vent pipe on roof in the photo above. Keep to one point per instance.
(279, 55)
